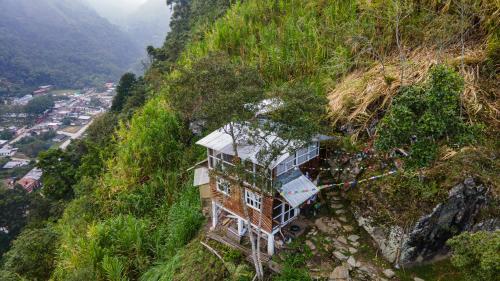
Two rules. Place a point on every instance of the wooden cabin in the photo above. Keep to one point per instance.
(294, 178)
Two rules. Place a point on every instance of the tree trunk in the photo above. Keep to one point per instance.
(254, 247)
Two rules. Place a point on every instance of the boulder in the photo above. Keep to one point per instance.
(321, 225)
(352, 262)
(426, 240)
(353, 237)
(342, 240)
(348, 228)
(353, 250)
(339, 256)
(311, 245)
(389, 273)
(340, 273)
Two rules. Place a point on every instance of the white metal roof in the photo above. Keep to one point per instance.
(220, 141)
(201, 176)
(298, 191)
(217, 140)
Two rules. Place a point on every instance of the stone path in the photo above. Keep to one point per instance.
(335, 246)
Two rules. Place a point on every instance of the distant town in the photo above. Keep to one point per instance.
(23, 136)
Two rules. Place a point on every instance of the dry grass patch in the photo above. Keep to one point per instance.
(359, 99)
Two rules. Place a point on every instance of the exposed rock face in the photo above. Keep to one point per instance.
(428, 237)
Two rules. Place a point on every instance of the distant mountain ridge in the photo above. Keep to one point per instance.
(61, 42)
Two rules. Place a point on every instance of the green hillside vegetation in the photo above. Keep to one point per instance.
(130, 210)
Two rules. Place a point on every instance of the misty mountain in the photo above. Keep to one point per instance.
(61, 42)
(149, 24)
(116, 11)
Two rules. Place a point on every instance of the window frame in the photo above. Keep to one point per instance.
(299, 157)
(255, 198)
(226, 190)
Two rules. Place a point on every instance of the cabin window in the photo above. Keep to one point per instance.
(288, 213)
(302, 156)
(223, 186)
(253, 199)
(313, 150)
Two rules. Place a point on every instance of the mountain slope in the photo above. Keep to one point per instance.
(60, 42)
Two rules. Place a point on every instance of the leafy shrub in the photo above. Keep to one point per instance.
(294, 262)
(421, 116)
(32, 254)
(477, 254)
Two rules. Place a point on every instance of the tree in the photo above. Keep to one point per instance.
(477, 254)
(123, 91)
(214, 92)
(32, 254)
(7, 135)
(39, 105)
(66, 121)
(13, 206)
(294, 119)
(59, 173)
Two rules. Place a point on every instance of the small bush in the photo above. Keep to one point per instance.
(422, 116)
(294, 262)
(477, 254)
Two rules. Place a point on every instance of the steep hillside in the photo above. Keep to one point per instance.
(60, 42)
(412, 92)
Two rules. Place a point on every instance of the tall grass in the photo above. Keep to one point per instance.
(285, 40)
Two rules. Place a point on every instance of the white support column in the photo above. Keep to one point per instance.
(214, 214)
(270, 244)
(282, 217)
(241, 227)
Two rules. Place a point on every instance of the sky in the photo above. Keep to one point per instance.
(115, 10)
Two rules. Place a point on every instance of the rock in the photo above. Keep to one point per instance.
(343, 219)
(321, 225)
(353, 250)
(427, 238)
(355, 244)
(310, 245)
(342, 240)
(339, 212)
(340, 273)
(353, 238)
(389, 273)
(340, 247)
(348, 228)
(337, 206)
(339, 256)
(418, 279)
(352, 262)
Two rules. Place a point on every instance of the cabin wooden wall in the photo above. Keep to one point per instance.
(233, 202)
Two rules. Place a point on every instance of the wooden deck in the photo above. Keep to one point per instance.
(266, 259)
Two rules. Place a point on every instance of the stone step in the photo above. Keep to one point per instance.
(348, 228)
(353, 238)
